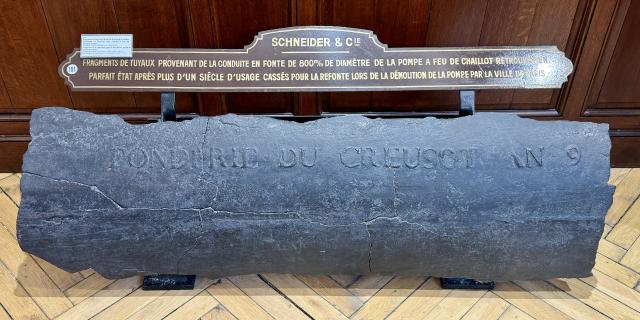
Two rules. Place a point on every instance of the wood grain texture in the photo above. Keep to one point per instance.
(97, 17)
(155, 24)
(619, 87)
(28, 59)
(235, 25)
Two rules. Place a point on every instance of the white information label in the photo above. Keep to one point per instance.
(106, 46)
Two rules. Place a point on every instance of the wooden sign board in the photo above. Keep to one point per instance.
(319, 58)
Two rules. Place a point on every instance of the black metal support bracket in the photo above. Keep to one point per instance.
(168, 282)
(467, 108)
(467, 103)
(464, 283)
(168, 106)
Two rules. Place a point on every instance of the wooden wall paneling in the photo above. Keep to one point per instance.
(354, 14)
(572, 49)
(456, 23)
(236, 24)
(601, 71)
(551, 26)
(625, 151)
(12, 148)
(599, 38)
(614, 28)
(593, 38)
(183, 21)
(400, 26)
(14, 124)
(5, 100)
(438, 23)
(14, 138)
(395, 25)
(612, 94)
(28, 70)
(28, 59)
(92, 17)
(203, 36)
(156, 24)
(453, 23)
(600, 44)
(305, 13)
(618, 76)
(507, 23)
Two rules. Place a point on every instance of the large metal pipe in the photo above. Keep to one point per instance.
(489, 196)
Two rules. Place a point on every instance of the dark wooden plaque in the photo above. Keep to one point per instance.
(320, 58)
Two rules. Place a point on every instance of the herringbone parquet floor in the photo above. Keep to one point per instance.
(31, 288)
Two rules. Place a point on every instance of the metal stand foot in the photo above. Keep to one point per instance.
(169, 282)
(464, 283)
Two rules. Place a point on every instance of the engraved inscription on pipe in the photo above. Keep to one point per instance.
(308, 157)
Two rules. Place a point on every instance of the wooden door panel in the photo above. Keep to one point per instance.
(496, 32)
(395, 25)
(456, 23)
(97, 17)
(5, 101)
(552, 25)
(619, 75)
(235, 25)
(156, 24)
(440, 23)
(28, 60)
(606, 82)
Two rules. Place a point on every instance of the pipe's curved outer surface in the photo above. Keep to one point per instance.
(489, 196)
